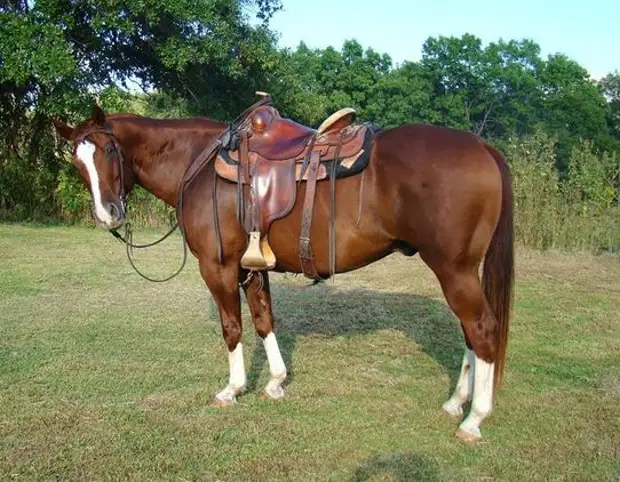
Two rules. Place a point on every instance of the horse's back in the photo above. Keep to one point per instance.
(422, 153)
(439, 142)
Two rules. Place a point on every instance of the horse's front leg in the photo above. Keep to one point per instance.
(223, 282)
(259, 300)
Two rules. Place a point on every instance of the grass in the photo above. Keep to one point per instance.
(104, 376)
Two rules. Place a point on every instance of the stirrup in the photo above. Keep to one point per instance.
(259, 255)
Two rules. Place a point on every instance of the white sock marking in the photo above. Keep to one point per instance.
(237, 367)
(86, 154)
(237, 378)
(483, 396)
(276, 367)
(464, 386)
(276, 363)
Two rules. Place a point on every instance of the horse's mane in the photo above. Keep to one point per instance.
(166, 122)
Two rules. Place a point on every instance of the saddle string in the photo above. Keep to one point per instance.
(359, 208)
(250, 278)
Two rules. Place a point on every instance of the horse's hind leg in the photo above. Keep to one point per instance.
(465, 296)
(464, 385)
(258, 295)
(223, 282)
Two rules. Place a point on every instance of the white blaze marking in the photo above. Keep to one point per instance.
(276, 363)
(483, 396)
(86, 154)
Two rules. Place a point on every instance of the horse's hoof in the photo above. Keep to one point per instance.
(219, 402)
(467, 436)
(453, 409)
(273, 394)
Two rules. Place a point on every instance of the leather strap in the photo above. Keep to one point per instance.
(244, 157)
(240, 199)
(305, 250)
(332, 209)
(249, 214)
(208, 153)
(306, 162)
(216, 221)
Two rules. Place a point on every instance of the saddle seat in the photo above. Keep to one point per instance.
(272, 153)
(276, 138)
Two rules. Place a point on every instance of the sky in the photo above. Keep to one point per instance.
(587, 31)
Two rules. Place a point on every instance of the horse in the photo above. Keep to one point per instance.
(442, 193)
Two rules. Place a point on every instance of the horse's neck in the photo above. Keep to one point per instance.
(161, 151)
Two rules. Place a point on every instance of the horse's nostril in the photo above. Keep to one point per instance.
(114, 211)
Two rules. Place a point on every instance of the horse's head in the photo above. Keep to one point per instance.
(99, 159)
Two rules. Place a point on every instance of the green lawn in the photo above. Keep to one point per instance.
(104, 376)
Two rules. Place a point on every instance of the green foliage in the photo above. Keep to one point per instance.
(308, 85)
(560, 129)
(537, 195)
(496, 91)
(73, 198)
(145, 210)
(403, 94)
(610, 86)
(581, 211)
(33, 50)
(55, 55)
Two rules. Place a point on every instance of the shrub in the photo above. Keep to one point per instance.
(579, 211)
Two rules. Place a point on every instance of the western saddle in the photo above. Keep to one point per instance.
(266, 155)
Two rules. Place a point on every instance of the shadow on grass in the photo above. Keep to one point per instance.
(325, 310)
(398, 467)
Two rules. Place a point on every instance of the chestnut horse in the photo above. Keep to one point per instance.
(439, 192)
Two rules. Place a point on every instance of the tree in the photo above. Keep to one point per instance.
(295, 85)
(402, 96)
(493, 91)
(610, 86)
(573, 108)
(56, 54)
(311, 84)
(461, 92)
(513, 71)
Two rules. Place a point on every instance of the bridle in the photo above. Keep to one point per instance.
(114, 145)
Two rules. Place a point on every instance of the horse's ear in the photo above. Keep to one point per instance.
(64, 130)
(97, 115)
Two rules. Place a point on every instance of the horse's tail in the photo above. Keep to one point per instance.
(498, 270)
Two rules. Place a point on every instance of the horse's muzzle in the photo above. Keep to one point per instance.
(115, 215)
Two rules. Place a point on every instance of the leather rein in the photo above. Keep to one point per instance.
(128, 238)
